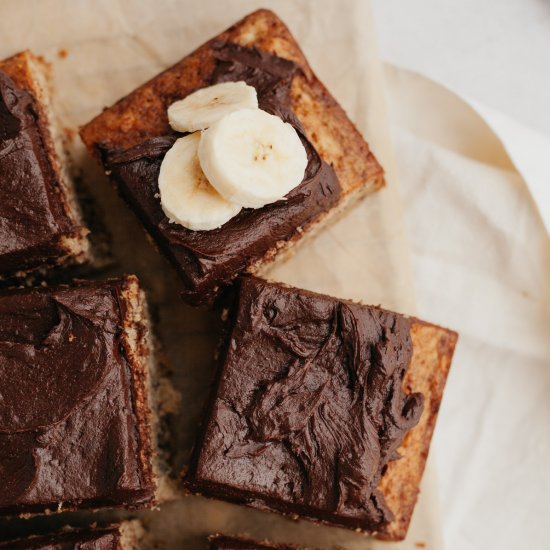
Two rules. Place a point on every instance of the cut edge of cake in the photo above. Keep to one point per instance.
(151, 394)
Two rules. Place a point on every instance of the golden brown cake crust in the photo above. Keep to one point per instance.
(17, 67)
(433, 349)
(142, 114)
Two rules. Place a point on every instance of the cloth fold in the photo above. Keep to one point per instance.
(476, 195)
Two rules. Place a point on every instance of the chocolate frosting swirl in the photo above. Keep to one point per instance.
(311, 408)
(66, 420)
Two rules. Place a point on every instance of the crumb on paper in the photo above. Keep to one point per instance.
(69, 134)
(420, 544)
(170, 398)
(46, 64)
(62, 53)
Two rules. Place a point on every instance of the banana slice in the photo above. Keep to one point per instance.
(206, 106)
(185, 194)
(252, 158)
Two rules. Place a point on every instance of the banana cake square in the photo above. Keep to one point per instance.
(76, 416)
(124, 536)
(40, 222)
(131, 139)
(323, 409)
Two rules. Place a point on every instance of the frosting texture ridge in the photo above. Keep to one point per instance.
(310, 406)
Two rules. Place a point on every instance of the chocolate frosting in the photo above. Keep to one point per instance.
(231, 543)
(67, 427)
(210, 260)
(310, 408)
(32, 218)
(93, 539)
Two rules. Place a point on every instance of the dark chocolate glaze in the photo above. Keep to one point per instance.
(222, 542)
(32, 217)
(89, 539)
(310, 407)
(67, 421)
(208, 261)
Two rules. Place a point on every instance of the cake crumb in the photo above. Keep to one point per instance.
(62, 53)
(420, 544)
(69, 134)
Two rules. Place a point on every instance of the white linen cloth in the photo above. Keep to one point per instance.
(476, 189)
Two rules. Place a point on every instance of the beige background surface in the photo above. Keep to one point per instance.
(112, 46)
(477, 196)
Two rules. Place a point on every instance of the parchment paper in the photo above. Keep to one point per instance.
(100, 51)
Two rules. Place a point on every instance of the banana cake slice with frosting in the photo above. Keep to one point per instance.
(41, 225)
(323, 409)
(233, 155)
(77, 420)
